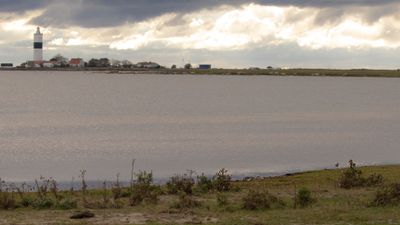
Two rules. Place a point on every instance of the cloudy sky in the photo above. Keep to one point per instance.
(225, 33)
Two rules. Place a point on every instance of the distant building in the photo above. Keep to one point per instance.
(205, 66)
(55, 63)
(77, 62)
(31, 64)
(7, 65)
(48, 64)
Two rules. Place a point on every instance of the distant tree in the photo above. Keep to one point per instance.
(126, 64)
(116, 63)
(105, 62)
(173, 67)
(188, 66)
(93, 63)
(60, 60)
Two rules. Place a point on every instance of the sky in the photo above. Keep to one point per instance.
(224, 33)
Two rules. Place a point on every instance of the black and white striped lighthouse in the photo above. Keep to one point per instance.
(38, 46)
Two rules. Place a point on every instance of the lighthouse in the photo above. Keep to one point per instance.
(38, 47)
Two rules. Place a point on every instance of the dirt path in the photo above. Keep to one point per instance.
(101, 218)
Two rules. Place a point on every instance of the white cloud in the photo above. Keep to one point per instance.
(256, 26)
(57, 42)
(226, 28)
(76, 42)
(134, 42)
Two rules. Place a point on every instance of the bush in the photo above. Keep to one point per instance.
(256, 199)
(27, 201)
(43, 203)
(135, 198)
(116, 189)
(222, 199)
(67, 204)
(186, 202)
(180, 183)
(373, 180)
(204, 184)
(143, 190)
(303, 198)
(7, 200)
(352, 177)
(117, 204)
(389, 195)
(222, 181)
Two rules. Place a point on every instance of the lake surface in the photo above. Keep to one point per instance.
(56, 123)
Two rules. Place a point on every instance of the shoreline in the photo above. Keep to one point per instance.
(231, 72)
(94, 184)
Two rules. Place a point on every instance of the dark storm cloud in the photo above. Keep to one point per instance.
(106, 13)
(326, 3)
(18, 6)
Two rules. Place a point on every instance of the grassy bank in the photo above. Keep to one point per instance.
(241, 72)
(220, 201)
(293, 72)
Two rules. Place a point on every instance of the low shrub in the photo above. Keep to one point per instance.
(186, 201)
(116, 191)
(180, 183)
(374, 180)
(222, 199)
(352, 177)
(204, 184)
(143, 190)
(43, 203)
(117, 204)
(222, 181)
(66, 204)
(27, 201)
(7, 200)
(136, 198)
(304, 198)
(256, 199)
(388, 195)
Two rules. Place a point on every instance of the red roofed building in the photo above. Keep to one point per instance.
(76, 62)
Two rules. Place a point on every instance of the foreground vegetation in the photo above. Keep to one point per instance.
(366, 195)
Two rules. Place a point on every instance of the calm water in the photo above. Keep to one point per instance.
(56, 123)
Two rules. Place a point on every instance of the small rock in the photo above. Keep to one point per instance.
(82, 215)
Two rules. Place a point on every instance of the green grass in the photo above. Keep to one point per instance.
(249, 72)
(291, 72)
(333, 205)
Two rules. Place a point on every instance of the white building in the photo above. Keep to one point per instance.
(48, 64)
(38, 47)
